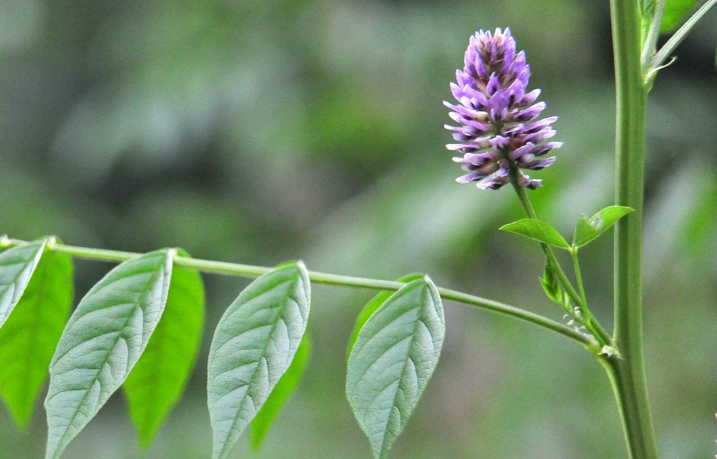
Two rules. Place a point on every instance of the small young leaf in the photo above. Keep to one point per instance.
(286, 386)
(159, 377)
(253, 346)
(102, 341)
(394, 357)
(31, 333)
(587, 230)
(16, 267)
(676, 12)
(538, 230)
(550, 284)
(371, 307)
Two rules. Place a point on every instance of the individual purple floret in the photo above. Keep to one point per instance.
(497, 130)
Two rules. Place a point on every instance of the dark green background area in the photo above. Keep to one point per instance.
(264, 131)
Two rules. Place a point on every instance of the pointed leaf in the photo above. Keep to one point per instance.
(394, 357)
(371, 307)
(16, 267)
(550, 284)
(161, 374)
(584, 232)
(538, 230)
(280, 395)
(102, 341)
(676, 12)
(253, 346)
(587, 230)
(31, 333)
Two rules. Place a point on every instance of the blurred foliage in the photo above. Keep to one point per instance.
(263, 131)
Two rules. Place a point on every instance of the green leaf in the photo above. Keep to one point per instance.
(587, 230)
(31, 333)
(16, 267)
(550, 284)
(584, 232)
(371, 307)
(538, 230)
(253, 346)
(676, 12)
(102, 341)
(394, 357)
(158, 379)
(286, 386)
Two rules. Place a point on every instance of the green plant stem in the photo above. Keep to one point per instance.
(579, 281)
(242, 270)
(627, 374)
(578, 299)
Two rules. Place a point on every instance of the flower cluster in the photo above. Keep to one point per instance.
(498, 133)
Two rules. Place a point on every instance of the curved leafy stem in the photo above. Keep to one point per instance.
(243, 270)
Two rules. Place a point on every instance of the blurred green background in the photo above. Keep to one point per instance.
(262, 131)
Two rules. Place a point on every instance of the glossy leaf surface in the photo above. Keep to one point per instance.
(102, 341)
(253, 346)
(394, 357)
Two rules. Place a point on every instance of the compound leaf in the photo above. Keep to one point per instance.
(253, 346)
(392, 360)
(102, 341)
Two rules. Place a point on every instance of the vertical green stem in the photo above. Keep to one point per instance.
(627, 374)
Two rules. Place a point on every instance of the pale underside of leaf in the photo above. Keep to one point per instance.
(253, 347)
(158, 379)
(102, 341)
(394, 357)
(284, 388)
(371, 307)
(16, 268)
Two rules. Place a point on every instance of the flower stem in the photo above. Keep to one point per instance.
(242, 270)
(627, 374)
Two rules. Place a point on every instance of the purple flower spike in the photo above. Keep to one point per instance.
(498, 131)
